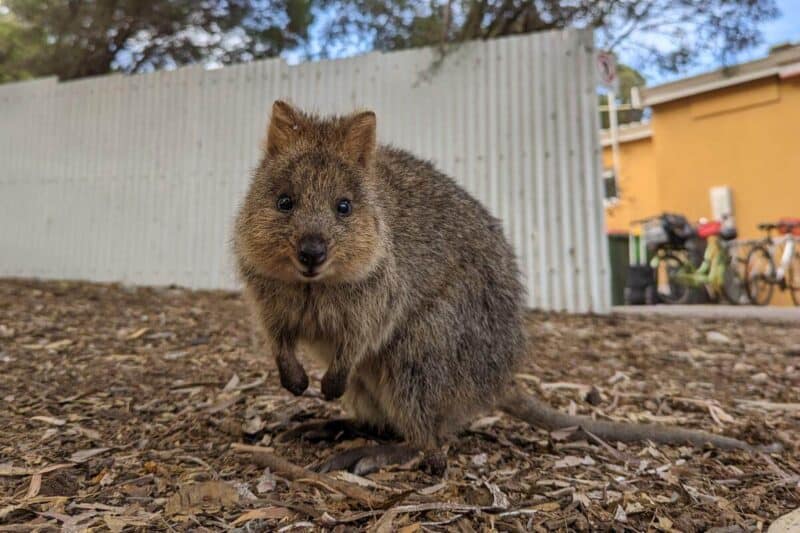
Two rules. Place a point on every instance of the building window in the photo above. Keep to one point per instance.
(610, 186)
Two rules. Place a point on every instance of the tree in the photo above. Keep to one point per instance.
(670, 34)
(19, 47)
(91, 37)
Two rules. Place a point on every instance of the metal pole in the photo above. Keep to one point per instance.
(612, 120)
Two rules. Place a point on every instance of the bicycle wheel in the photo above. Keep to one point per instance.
(670, 291)
(793, 278)
(733, 280)
(760, 274)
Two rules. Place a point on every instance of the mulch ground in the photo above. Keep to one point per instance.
(119, 407)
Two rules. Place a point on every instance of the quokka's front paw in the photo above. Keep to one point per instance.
(333, 384)
(293, 376)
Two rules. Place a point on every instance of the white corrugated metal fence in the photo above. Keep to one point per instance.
(137, 178)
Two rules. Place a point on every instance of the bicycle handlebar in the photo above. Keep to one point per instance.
(774, 225)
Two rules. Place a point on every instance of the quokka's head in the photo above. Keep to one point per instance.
(312, 213)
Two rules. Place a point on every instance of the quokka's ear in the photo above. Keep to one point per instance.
(359, 138)
(285, 126)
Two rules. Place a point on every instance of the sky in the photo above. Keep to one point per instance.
(781, 30)
(786, 28)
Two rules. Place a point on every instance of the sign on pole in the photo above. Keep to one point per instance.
(607, 71)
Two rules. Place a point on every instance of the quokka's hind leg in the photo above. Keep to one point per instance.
(368, 459)
(370, 414)
(334, 430)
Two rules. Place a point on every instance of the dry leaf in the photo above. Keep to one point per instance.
(34, 487)
(5, 511)
(480, 459)
(547, 507)
(634, 508)
(386, 522)
(232, 384)
(499, 498)
(88, 433)
(49, 420)
(788, 523)
(433, 489)
(265, 513)
(717, 338)
(6, 469)
(485, 422)
(84, 455)
(266, 483)
(564, 433)
(297, 525)
(205, 496)
(664, 524)
(136, 334)
(58, 344)
(582, 499)
(253, 425)
(53, 468)
(244, 491)
(172, 356)
(571, 461)
(719, 415)
(769, 406)
(114, 524)
(357, 480)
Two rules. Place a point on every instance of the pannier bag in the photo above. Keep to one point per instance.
(667, 229)
(726, 231)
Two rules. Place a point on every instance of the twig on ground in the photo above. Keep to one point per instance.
(263, 457)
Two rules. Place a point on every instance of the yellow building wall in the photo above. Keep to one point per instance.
(746, 137)
(637, 186)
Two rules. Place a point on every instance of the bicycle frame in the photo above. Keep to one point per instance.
(772, 244)
(788, 241)
(710, 272)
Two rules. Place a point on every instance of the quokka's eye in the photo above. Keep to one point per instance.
(344, 207)
(285, 203)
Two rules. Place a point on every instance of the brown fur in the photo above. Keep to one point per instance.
(418, 312)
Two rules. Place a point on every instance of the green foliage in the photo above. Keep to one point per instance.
(91, 37)
(19, 47)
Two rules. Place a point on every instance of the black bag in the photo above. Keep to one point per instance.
(678, 229)
(640, 287)
(668, 229)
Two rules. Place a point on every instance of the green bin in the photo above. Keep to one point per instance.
(618, 250)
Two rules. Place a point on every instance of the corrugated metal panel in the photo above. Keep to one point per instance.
(138, 178)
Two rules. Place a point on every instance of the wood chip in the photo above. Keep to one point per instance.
(84, 455)
(208, 496)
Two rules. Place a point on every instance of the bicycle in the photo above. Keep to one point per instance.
(720, 272)
(761, 273)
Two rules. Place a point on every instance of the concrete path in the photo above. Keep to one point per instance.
(750, 312)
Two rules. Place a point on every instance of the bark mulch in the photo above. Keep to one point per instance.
(132, 409)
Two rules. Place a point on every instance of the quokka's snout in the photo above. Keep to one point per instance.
(312, 252)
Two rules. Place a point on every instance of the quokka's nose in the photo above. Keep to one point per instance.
(312, 251)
